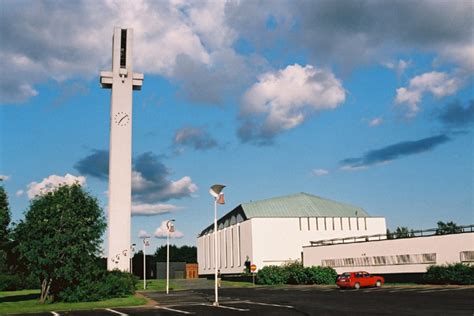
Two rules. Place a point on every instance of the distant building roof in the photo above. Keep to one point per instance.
(296, 205)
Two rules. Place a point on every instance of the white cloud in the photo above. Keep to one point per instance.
(319, 172)
(399, 67)
(147, 209)
(376, 122)
(19, 193)
(287, 97)
(143, 234)
(4, 177)
(162, 232)
(52, 182)
(439, 84)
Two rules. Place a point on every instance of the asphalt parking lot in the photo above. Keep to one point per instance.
(304, 300)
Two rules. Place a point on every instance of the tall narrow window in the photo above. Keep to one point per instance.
(333, 224)
(309, 228)
(224, 231)
(325, 224)
(317, 224)
(123, 49)
(238, 247)
(342, 228)
(357, 219)
(300, 222)
(349, 220)
(232, 247)
(365, 222)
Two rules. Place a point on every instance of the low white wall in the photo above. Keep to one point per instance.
(407, 255)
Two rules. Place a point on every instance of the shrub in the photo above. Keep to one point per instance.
(450, 274)
(296, 273)
(104, 285)
(15, 282)
(321, 275)
(272, 275)
(10, 282)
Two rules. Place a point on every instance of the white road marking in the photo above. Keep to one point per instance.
(267, 304)
(116, 312)
(173, 310)
(228, 307)
(55, 314)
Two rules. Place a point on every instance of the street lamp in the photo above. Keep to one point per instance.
(216, 192)
(169, 229)
(132, 254)
(146, 242)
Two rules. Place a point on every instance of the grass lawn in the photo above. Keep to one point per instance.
(158, 285)
(26, 301)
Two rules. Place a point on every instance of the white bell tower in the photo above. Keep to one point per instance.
(122, 81)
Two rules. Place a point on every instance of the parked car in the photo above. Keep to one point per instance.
(358, 279)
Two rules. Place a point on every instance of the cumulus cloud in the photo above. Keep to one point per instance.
(4, 177)
(392, 152)
(54, 40)
(51, 183)
(319, 172)
(143, 234)
(19, 193)
(282, 100)
(376, 121)
(162, 232)
(457, 115)
(147, 209)
(439, 84)
(150, 183)
(195, 137)
(399, 67)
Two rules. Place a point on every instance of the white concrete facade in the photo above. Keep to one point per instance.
(275, 241)
(122, 81)
(405, 255)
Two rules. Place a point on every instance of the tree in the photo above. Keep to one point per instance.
(185, 253)
(448, 228)
(5, 219)
(60, 238)
(403, 232)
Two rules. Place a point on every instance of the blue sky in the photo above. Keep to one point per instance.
(368, 103)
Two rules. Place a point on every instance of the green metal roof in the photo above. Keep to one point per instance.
(301, 205)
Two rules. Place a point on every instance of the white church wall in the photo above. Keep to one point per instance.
(274, 241)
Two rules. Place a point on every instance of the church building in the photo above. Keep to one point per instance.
(274, 231)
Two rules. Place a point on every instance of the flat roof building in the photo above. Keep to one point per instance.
(274, 231)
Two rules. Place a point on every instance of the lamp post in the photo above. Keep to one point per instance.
(216, 192)
(170, 229)
(146, 242)
(132, 254)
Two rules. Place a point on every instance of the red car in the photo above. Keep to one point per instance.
(358, 279)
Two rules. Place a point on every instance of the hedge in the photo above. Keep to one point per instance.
(458, 273)
(295, 273)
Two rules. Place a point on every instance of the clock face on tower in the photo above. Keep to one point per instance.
(121, 118)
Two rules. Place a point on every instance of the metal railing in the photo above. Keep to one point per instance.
(391, 236)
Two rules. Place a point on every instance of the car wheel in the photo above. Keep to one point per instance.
(357, 286)
(378, 283)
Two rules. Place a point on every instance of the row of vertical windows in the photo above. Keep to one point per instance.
(330, 222)
(225, 245)
(423, 258)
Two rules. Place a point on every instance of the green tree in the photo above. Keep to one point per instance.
(448, 228)
(403, 232)
(185, 253)
(5, 219)
(60, 238)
